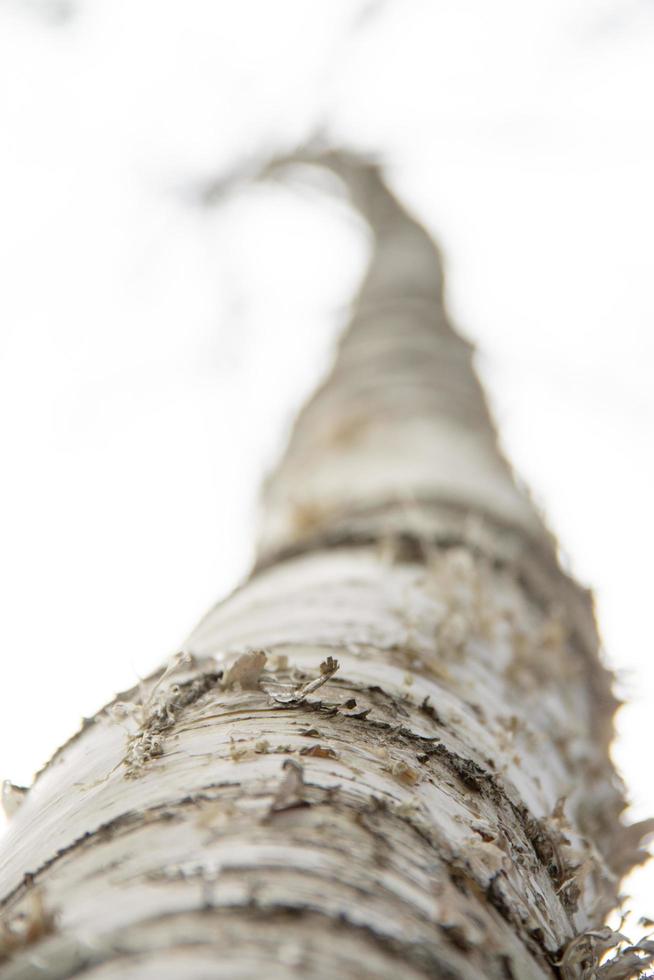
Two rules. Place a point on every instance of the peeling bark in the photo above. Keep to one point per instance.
(385, 753)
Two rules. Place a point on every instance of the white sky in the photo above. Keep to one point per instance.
(152, 353)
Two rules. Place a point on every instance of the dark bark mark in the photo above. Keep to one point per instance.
(160, 718)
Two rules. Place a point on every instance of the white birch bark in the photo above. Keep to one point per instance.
(387, 754)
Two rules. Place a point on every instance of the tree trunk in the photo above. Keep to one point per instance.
(386, 754)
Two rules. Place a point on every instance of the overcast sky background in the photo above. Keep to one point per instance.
(153, 352)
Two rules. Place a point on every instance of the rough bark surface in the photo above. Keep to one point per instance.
(387, 752)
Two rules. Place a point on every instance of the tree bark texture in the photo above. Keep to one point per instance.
(386, 753)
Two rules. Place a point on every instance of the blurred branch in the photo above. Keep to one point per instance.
(54, 12)
(275, 164)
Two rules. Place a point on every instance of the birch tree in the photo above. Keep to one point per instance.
(386, 753)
